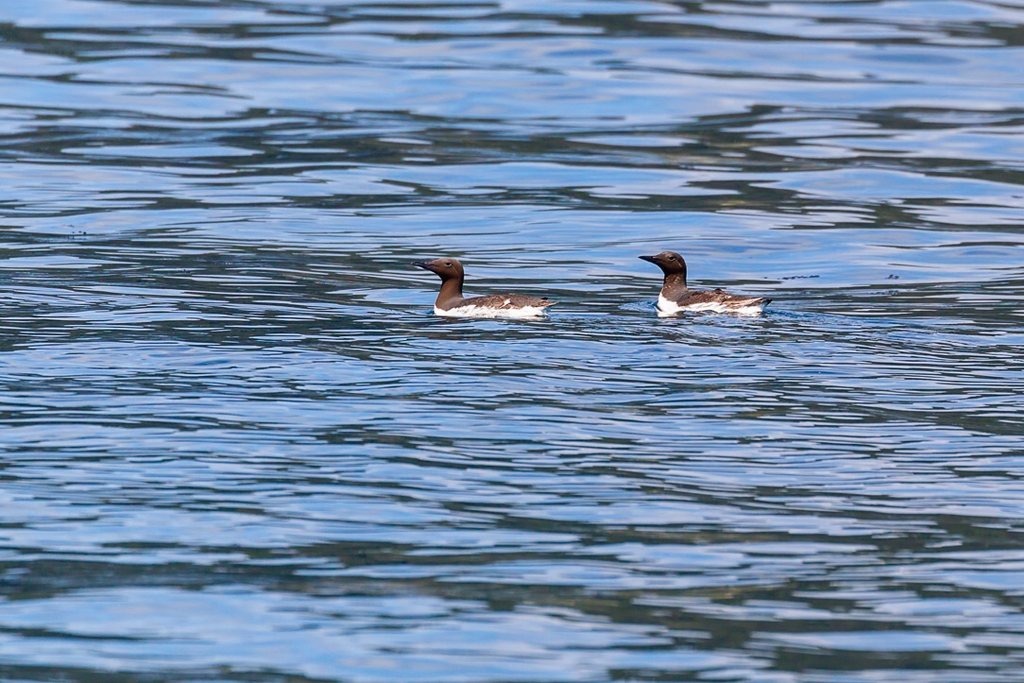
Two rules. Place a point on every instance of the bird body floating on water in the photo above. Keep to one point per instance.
(676, 297)
(451, 303)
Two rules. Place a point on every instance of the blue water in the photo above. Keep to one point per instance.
(236, 445)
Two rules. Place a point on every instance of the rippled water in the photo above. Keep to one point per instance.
(237, 446)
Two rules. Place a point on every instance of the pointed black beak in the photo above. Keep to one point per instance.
(647, 258)
(422, 264)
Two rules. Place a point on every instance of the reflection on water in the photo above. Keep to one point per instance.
(237, 446)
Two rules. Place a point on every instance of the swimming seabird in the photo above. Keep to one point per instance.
(676, 297)
(450, 301)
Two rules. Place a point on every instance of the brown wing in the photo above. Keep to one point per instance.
(718, 296)
(501, 301)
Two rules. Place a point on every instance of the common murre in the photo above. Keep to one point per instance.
(676, 297)
(450, 301)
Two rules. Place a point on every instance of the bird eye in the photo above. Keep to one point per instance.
(447, 263)
(671, 258)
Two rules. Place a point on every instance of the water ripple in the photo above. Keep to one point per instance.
(238, 446)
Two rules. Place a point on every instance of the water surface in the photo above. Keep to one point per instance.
(237, 446)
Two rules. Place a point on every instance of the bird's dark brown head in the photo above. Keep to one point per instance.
(669, 261)
(446, 268)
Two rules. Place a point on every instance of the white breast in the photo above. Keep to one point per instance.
(487, 312)
(667, 307)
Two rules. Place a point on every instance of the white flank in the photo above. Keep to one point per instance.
(667, 307)
(488, 312)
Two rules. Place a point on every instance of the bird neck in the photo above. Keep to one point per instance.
(450, 294)
(674, 286)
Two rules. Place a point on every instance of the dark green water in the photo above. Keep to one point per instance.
(235, 445)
